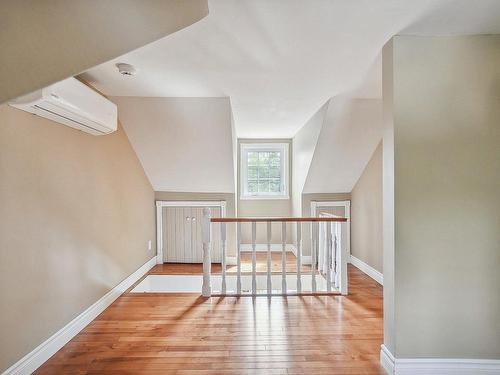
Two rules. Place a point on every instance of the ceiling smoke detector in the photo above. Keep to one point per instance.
(125, 69)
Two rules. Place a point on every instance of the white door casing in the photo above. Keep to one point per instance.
(316, 207)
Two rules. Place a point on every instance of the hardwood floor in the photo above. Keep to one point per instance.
(186, 334)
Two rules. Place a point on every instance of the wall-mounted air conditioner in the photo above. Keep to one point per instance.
(72, 103)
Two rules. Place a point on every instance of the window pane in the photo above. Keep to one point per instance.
(275, 186)
(263, 158)
(263, 186)
(275, 159)
(263, 171)
(274, 172)
(252, 173)
(252, 186)
(253, 158)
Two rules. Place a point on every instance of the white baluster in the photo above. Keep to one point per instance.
(283, 258)
(269, 282)
(254, 258)
(238, 258)
(343, 264)
(206, 289)
(223, 265)
(314, 244)
(299, 257)
(334, 257)
(328, 256)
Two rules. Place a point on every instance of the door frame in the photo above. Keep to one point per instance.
(347, 209)
(159, 218)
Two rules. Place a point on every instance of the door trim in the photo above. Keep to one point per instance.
(347, 209)
(159, 218)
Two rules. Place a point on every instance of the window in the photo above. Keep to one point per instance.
(264, 170)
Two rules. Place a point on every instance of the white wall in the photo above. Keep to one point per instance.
(446, 116)
(304, 145)
(351, 131)
(388, 195)
(184, 144)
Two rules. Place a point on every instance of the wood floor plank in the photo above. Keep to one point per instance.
(185, 334)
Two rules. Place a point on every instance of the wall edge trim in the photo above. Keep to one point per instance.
(387, 360)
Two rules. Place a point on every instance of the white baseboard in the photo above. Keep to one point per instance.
(262, 247)
(433, 366)
(370, 271)
(306, 259)
(31, 361)
(275, 248)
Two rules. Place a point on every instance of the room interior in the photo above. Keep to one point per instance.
(251, 187)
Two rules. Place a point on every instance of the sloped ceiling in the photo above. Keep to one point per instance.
(42, 42)
(184, 144)
(350, 133)
(280, 60)
(304, 145)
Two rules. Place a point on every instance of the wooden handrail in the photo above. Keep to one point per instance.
(275, 219)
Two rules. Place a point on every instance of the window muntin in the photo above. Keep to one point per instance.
(264, 170)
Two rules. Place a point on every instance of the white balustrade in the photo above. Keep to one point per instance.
(223, 251)
(328, 272)
(314, 251)
(283, 258)
(206, 289)
(238, 258)
(254, 258)
(329, 257)
(342, 261)
(299, 257)
(269, 259)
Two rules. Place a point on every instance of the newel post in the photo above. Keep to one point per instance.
(206, 289)
(344, 255)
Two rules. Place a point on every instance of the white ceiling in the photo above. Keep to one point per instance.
(279, 61)
(44, 42)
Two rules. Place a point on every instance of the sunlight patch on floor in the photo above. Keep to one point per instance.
(193, 283)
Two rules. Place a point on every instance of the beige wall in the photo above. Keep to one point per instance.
(76, 213)
(35, 32)
(446, 114)
(265, 207)
(366, 213)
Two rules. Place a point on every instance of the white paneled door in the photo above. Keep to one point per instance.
(182, 241)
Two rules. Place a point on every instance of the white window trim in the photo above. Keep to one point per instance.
(285, 167)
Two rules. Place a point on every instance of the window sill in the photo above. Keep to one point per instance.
(263, 197)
